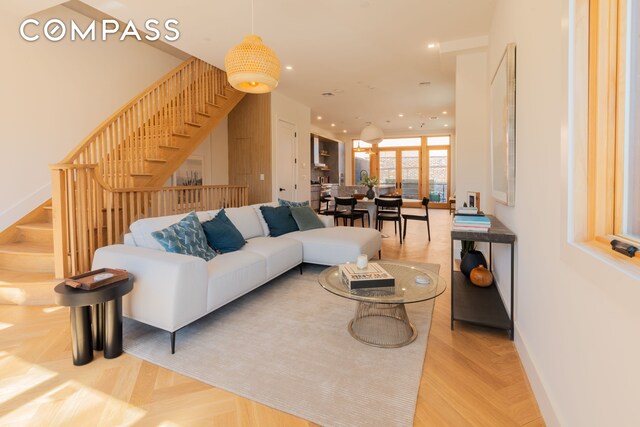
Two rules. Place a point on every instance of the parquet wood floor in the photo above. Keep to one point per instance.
(471, 376)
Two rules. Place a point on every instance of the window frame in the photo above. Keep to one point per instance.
(606, 121)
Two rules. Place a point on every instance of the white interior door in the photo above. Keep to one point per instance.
(286, 167)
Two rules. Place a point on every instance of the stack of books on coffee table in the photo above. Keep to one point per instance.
(372, 276)
(476, 223)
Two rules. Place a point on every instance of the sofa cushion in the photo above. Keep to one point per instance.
(265, 226)
(233, 275)
(185, 237)
(282, 202)
(142, 228)
(246, 221)
(337, 245)
(281, 254)
(279, 220)
(306, 218)
(222, 235)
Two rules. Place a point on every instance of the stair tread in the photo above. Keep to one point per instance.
(36, 226)
(33, 248)
(156, 160)
(140, 174)
(13, 276)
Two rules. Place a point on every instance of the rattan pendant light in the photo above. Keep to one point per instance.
(252, 66)
(372, 134)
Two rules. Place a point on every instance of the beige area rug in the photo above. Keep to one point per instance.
(286, 345)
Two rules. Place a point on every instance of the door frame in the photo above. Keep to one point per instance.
(426, 149)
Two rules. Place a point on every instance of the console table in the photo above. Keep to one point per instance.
(482, 306)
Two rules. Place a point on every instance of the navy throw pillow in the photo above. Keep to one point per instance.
(222, 235)
(279, 220)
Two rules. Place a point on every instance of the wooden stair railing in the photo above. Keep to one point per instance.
(113, 176)
(89, 214)
(146, 133)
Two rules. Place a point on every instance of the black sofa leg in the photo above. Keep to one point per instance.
(173, 342)
(300, 268)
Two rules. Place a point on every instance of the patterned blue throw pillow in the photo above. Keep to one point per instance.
(186, 237)
(283, 202)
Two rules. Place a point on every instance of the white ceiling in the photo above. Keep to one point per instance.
(371, 53)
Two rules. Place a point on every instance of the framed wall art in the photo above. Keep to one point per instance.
(503, 128)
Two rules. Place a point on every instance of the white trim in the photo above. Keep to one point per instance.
(13, 213)
(537, 384)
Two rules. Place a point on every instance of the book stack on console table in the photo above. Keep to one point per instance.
(471, 222)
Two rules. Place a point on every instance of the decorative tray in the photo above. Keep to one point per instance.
(97, 278)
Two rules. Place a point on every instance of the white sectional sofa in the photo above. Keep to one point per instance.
(172, 290)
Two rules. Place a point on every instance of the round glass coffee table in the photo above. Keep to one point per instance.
(381, 319)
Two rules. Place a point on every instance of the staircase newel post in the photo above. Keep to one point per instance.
(60, 221)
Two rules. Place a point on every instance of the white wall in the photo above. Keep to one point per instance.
(215, 152)
(53, 95)
(577, 318)
(472, 129)
(284, 108)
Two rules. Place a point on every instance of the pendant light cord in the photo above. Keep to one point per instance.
(252, 32)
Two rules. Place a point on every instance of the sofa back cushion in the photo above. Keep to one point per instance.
(142, 228)
(222, 235)
(246, 221)
(279, 219)
(306, 218)
(185, 237)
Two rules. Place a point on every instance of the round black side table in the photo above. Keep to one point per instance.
(106, 321)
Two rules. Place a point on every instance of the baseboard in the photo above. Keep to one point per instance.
(537, 384)
(13, 213)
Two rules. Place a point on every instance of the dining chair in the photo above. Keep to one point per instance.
(389, 210)
(425, 217)
(326, 211)
(364, 212)
(347, 212)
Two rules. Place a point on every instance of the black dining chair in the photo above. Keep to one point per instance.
(327, 210)
(425, 217)
(389, 210)
(347, 211)
(364, 212)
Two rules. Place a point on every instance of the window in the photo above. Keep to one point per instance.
(614, 121)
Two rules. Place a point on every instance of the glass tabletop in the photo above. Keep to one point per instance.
(406, 290)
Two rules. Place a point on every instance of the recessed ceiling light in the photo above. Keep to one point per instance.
(444, 112)
(344, 131)
(446, 126)
(400, 115)
(289, 67)
(333, 125)
(410, 127)
(431, 45)
(319, 117)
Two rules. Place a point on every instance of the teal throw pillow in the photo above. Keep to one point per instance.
(279, 220)
(283, 202)
(306, 218)
(222, 235)
(185, 237)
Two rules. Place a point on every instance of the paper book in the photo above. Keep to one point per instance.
(373, 276)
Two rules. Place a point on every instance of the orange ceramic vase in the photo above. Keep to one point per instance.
(480, 276)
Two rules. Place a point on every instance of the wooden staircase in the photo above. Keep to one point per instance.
(113, 177)
(27, 260)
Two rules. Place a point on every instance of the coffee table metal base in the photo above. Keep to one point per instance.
(382, 325)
